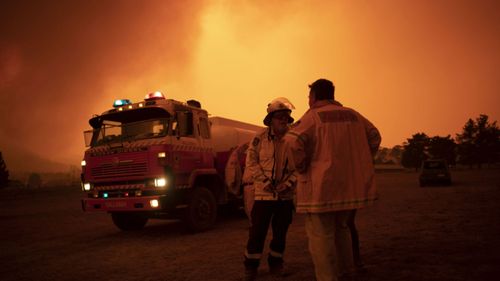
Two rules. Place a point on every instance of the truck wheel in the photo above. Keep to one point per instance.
(129, 221)
(201, 212)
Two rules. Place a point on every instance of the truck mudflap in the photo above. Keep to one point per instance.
(146, 203)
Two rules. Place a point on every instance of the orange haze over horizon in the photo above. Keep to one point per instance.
(408, 66)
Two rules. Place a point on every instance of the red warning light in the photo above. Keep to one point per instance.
(154, 96)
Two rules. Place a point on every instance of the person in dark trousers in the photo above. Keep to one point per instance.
(274, 182)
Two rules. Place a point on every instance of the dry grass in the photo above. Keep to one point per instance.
(413, 233)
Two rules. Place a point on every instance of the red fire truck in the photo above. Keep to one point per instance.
(161, 158)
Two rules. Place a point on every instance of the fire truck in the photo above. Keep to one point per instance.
(162, 158)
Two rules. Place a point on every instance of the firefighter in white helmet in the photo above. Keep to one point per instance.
(274, 181)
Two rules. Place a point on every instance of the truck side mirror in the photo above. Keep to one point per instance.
(185, 123)
(175, 130)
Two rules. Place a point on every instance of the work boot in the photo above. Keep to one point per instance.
(250, 274)
(251, 267)
(276, 266)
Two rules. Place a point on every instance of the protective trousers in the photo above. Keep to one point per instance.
(330, 244)
(278, 213)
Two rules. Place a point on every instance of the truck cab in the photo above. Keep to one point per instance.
(153, 159)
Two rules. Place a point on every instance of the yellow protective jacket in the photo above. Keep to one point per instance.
(268, 164)
(332, 148)
(233, 175)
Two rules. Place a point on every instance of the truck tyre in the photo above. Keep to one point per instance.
(201, 212)
(129, 221)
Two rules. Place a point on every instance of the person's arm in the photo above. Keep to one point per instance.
(373, 136)
(290, 180)
(299, 138)
(252, 161)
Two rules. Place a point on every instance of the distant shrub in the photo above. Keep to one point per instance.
(34, 181)
(16, 184)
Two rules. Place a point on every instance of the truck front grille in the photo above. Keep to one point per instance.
(121, 170)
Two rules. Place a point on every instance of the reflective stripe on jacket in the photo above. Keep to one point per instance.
(268, 165)
(332, 148)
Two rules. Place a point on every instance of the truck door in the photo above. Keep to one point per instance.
(186, 147)
(205, 141)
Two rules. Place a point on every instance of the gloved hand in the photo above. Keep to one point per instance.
(269, 188)
(282, 188)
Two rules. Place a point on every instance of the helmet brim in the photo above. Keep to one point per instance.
(269, 116)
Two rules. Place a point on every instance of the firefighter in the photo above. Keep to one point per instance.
(274, 182)
(332, 148)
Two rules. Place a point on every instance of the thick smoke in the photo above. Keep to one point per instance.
(408, 66)
(59, 62)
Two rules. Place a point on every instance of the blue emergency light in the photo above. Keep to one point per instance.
(121, 102)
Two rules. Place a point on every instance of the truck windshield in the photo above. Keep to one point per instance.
(115, 132)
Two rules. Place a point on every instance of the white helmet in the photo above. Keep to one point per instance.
(278, 104)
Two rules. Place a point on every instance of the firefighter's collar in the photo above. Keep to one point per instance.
(271, 135)
(322, 103)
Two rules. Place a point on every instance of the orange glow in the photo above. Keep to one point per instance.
(408, 66)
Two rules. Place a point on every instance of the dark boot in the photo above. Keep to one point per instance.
(276, 266)
(251, 267)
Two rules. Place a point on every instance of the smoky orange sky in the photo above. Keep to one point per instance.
(408, 66)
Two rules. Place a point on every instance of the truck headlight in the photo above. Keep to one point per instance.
(84, 163)
(87, 186)
(154, 203)
(160, 182)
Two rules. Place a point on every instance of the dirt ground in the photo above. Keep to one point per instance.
(412, 233)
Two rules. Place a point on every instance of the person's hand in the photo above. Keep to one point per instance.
(268, 187)
(282, 187)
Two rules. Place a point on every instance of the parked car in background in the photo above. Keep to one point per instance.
(435, 171)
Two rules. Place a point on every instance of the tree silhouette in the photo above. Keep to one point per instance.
(389, 155)
(4, 173)
(442, 148)
(396, 153)
(479, 142)
(466, 144)
(34, 181)
(414, 151)
(381, 156)
(488, 140)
